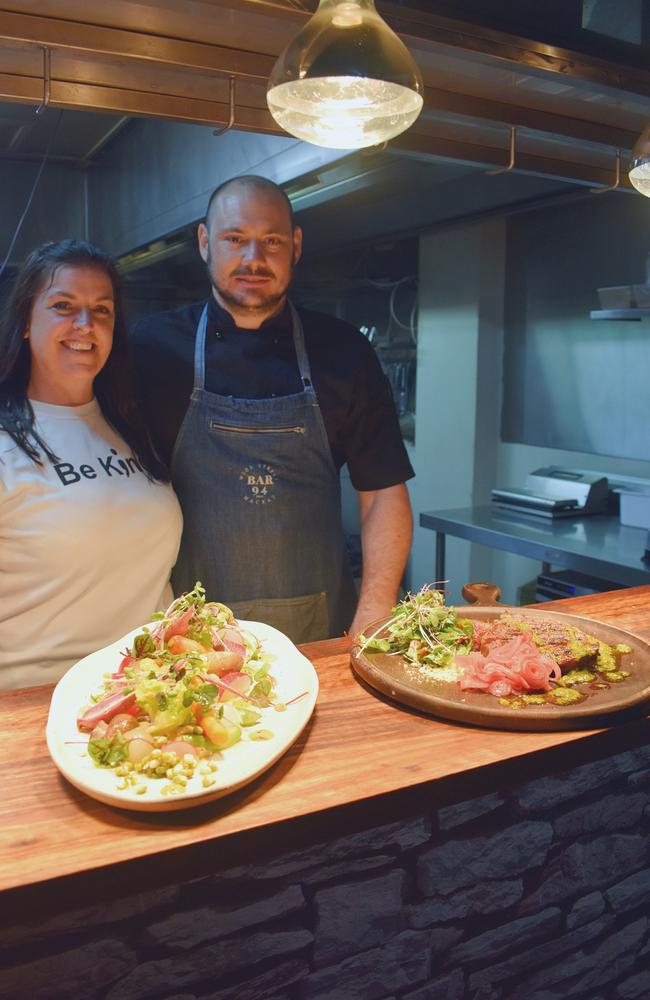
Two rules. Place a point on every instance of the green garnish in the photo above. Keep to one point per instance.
(565, 696)
(423, 630)
(143, 645)
(108, 753)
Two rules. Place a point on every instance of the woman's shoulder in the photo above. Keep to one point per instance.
(12, 462)
(7, 443)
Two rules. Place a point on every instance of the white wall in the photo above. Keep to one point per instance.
(570, 382)
(459, 455)
(460, 344)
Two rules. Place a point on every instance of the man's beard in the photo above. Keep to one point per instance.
(261, 305)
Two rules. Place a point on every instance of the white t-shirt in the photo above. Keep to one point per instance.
(86, 545)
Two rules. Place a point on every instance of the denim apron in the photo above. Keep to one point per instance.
(261, 503)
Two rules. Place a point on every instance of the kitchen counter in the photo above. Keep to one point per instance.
(387, 855)
(359, 756)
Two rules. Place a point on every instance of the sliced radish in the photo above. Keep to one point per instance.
(105, 709)
(217, 642)
(137, 749)
(99, 732)
(237, 682)
(180, 747)
(180, 625)
(233, 640)
(120, 723)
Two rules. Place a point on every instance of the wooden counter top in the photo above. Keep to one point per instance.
(359, 752)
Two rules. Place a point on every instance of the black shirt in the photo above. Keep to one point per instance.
(353, 393)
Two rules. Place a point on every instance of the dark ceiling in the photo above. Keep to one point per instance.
(559, 69)
(570, 114)
(610, 29)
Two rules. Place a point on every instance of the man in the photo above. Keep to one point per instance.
(255, 446)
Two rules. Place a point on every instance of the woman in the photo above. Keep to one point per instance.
(88, 529)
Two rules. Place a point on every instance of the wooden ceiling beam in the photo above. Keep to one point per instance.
(551, 123)
(132, 72)
(57, 33)
(187, 84)
(425, 33)
(491, 157)
(78, 96)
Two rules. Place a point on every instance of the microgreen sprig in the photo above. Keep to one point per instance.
(422, 629)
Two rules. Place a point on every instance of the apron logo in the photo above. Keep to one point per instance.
(259, 483)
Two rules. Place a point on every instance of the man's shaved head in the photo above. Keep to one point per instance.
(255, 185)
(250, 246)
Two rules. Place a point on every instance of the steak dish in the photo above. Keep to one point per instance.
(571, 648)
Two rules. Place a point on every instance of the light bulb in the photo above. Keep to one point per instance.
(347, 15)
(639, 172)
(346, 80)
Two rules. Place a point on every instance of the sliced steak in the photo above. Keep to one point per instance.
(570, 647)
(488, 635)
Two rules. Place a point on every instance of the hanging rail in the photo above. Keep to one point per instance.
(511, 161)
(231, 101)
(47, 56)
(617, 181)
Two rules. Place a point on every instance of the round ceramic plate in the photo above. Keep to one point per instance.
(241, 763)
(399, 680)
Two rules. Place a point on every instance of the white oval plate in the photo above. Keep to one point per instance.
(239, 764)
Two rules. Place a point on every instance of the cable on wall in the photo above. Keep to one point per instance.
(22, 218)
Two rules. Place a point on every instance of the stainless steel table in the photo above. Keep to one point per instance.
(598, 545)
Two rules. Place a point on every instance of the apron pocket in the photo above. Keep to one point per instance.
(233, 429)
(302, 619)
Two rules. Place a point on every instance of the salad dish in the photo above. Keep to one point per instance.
(507, 668)
(183, 710)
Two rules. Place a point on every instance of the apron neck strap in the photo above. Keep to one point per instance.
(298, 343)
(199, 350)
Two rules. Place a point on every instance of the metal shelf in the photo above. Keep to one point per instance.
(595, 544)
(625, 314)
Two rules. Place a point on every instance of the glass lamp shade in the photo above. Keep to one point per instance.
(639, 172)
(346, 80)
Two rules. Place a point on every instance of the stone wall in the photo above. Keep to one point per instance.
(537, 892)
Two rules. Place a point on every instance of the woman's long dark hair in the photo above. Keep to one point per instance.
(113, 387)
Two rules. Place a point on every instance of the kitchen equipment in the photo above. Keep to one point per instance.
(555, 492)
(635, 505)
(625, 297)
(401, 375)
(560, 583)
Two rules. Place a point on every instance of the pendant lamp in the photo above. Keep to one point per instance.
(346, 80)
(639, 172)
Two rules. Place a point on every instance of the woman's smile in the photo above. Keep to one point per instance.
(70, 335)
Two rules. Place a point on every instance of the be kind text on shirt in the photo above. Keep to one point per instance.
(109, 466)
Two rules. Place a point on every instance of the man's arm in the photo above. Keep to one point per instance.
(386, 534)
